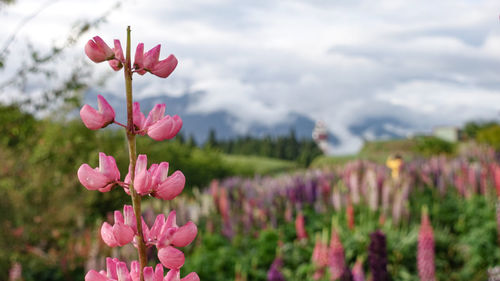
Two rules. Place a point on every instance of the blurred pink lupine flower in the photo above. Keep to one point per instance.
(155, 180)
(102, 178)
(357, 271)
(174, 275)
(336, 258)
(119, 59)
(425, 254)
(158, 126)
(300, 226)
(320, 255)
(123, 230)
(97, 119)
(149, 61)
(98, 51)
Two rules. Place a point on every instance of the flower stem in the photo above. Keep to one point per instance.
(136, 199)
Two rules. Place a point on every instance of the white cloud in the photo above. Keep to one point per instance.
(424, 62)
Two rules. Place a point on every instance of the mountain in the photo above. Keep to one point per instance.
(199, 124)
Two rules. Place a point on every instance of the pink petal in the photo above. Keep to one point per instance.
(122, 272)
(165, 129)
(171, 219)
(155, 114)
(139, 59)
(171, 257)
(107, 167)
(108, 113)
(158, 273)
(118, 51)
(173, 275)
(171, 187)
(139, 118)
(142, 181)
(107, 235)
(185, 235)
(191, 277)
(123, 234)
(91, 118)
(165, 237)
(134, 270)
(91, 178)
(157, 226)
(118, 217)
(129, 217)
(111, 267)
(93, 275)
(165, 67)
(151, 57)
(148, 273)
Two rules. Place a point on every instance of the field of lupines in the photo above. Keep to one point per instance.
(433, 219)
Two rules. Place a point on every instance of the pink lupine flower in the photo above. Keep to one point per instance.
(158, 126)
(155, 180)
(350, 215)
(425, 254)
(149, 62)
(166, 232)
(174, 275)
(300, 227)
(114, 269)
(98, 51)
(119, 59)
(336, 258)
(320, 255)
(357, 271)
(97, 119)
(117, 270)
(171, 257)
(123, 230)
(102, 178)
(166, 187)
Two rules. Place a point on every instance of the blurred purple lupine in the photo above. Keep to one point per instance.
(425, 254)
(377, 256)
(274, 273)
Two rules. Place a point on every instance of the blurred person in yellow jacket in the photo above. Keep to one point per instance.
(395, 163)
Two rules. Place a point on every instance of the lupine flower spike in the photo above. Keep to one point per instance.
(377, 256)
(336, 258)
(425, 254)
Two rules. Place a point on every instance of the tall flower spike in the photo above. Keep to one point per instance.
(102, 178)
(98, 51)
(97, 119)
(425, 254)
(336, 257)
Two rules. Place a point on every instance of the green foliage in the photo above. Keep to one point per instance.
(428, 146)
(489, 135)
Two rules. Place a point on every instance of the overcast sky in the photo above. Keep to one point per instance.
(426, 63)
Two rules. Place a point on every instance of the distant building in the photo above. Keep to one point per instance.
(447, 133)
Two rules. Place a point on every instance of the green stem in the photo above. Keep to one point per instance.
(136, 199)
